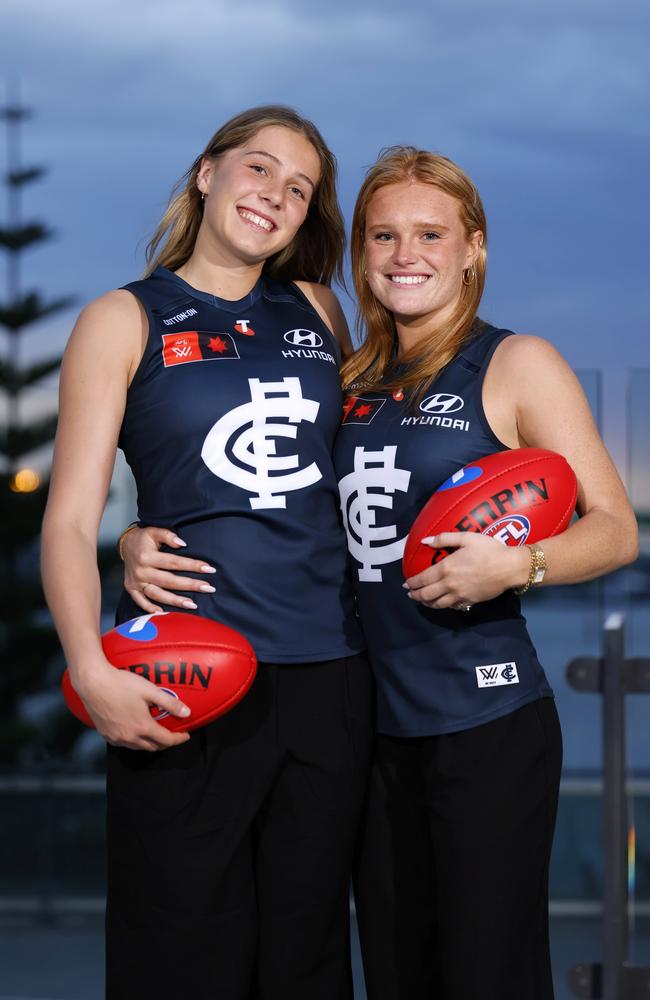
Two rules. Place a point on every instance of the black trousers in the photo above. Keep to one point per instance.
(451, 879)
(230, 856)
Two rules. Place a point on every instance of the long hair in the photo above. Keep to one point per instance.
(316, 251)
(375, 362)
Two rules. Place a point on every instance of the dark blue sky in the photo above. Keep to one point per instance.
(545, 105)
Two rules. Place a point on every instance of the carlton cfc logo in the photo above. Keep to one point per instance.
(242, 447)
(366, 493)
(303, 338)
(442, 402)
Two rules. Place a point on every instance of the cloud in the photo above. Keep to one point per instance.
(544, 104)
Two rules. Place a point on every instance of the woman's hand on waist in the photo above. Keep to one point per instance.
(118, 702)
(150, 575)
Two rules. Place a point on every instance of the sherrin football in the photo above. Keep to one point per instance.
(208, 665)
(515, 496)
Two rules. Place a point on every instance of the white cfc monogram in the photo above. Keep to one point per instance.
(370, 545)
(248, 434)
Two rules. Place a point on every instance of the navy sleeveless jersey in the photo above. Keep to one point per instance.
(436, 671)
(229, 427)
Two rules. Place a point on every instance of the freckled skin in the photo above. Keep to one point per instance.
(415, 229)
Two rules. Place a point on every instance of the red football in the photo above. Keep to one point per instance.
(515, 496)
(206, 664)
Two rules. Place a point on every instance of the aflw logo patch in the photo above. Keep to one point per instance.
(495, 674)
(196, 345)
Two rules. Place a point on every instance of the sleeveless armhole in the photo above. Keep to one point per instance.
(137, 375)
(480, 365)
(312, 309)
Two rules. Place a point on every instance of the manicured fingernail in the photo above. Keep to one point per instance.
(189, 604)
(179, 541)
(410, 595)
(406, 586)
(206, 588)
(185, 710)
(208, 569)
(429, 540)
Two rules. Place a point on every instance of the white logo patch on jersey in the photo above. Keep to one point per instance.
(442, 402)
(248, 432)
(373, 470)
(303, 338)
(496, 674)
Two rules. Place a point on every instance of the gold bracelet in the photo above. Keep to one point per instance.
(538, 568)
(120, 541)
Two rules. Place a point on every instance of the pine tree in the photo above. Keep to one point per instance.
(28, 640)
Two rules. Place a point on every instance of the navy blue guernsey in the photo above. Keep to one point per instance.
(436, 671)
(229, 427)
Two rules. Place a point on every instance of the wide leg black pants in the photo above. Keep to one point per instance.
(452, 876)
(229, 857)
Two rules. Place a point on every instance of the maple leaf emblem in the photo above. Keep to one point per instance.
(363, 411)
(216, 344)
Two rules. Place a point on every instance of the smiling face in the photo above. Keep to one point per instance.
(416, 249)
(257, 195)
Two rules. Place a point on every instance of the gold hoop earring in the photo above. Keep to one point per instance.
(469, 275)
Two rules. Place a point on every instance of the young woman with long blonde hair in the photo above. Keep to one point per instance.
(229, 851)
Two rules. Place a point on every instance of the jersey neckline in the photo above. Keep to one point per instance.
(228, 305)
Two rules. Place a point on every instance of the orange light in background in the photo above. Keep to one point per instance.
(25, 481)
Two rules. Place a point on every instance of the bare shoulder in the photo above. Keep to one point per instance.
(525, 349)
(524, 362)
(113, 328)
(118, 306)
(328, 307)
(322, 298)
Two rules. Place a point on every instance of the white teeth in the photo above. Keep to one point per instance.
(411, 279)
(257, 219)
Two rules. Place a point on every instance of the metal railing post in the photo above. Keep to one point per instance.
(613, 676)
(615, 934)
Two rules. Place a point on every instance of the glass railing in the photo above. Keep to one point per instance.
(60, 865)
(52, 840)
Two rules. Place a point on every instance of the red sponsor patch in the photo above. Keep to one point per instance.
(180, 348)
(196, 345)
(242, 326)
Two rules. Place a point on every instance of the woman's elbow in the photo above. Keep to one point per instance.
(633, 544)
(627, 541)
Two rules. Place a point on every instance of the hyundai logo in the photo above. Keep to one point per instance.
(303, 338)
(442, 402)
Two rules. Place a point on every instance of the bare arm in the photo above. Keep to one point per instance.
(533, 399)
(99, 362)
(329, 309)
